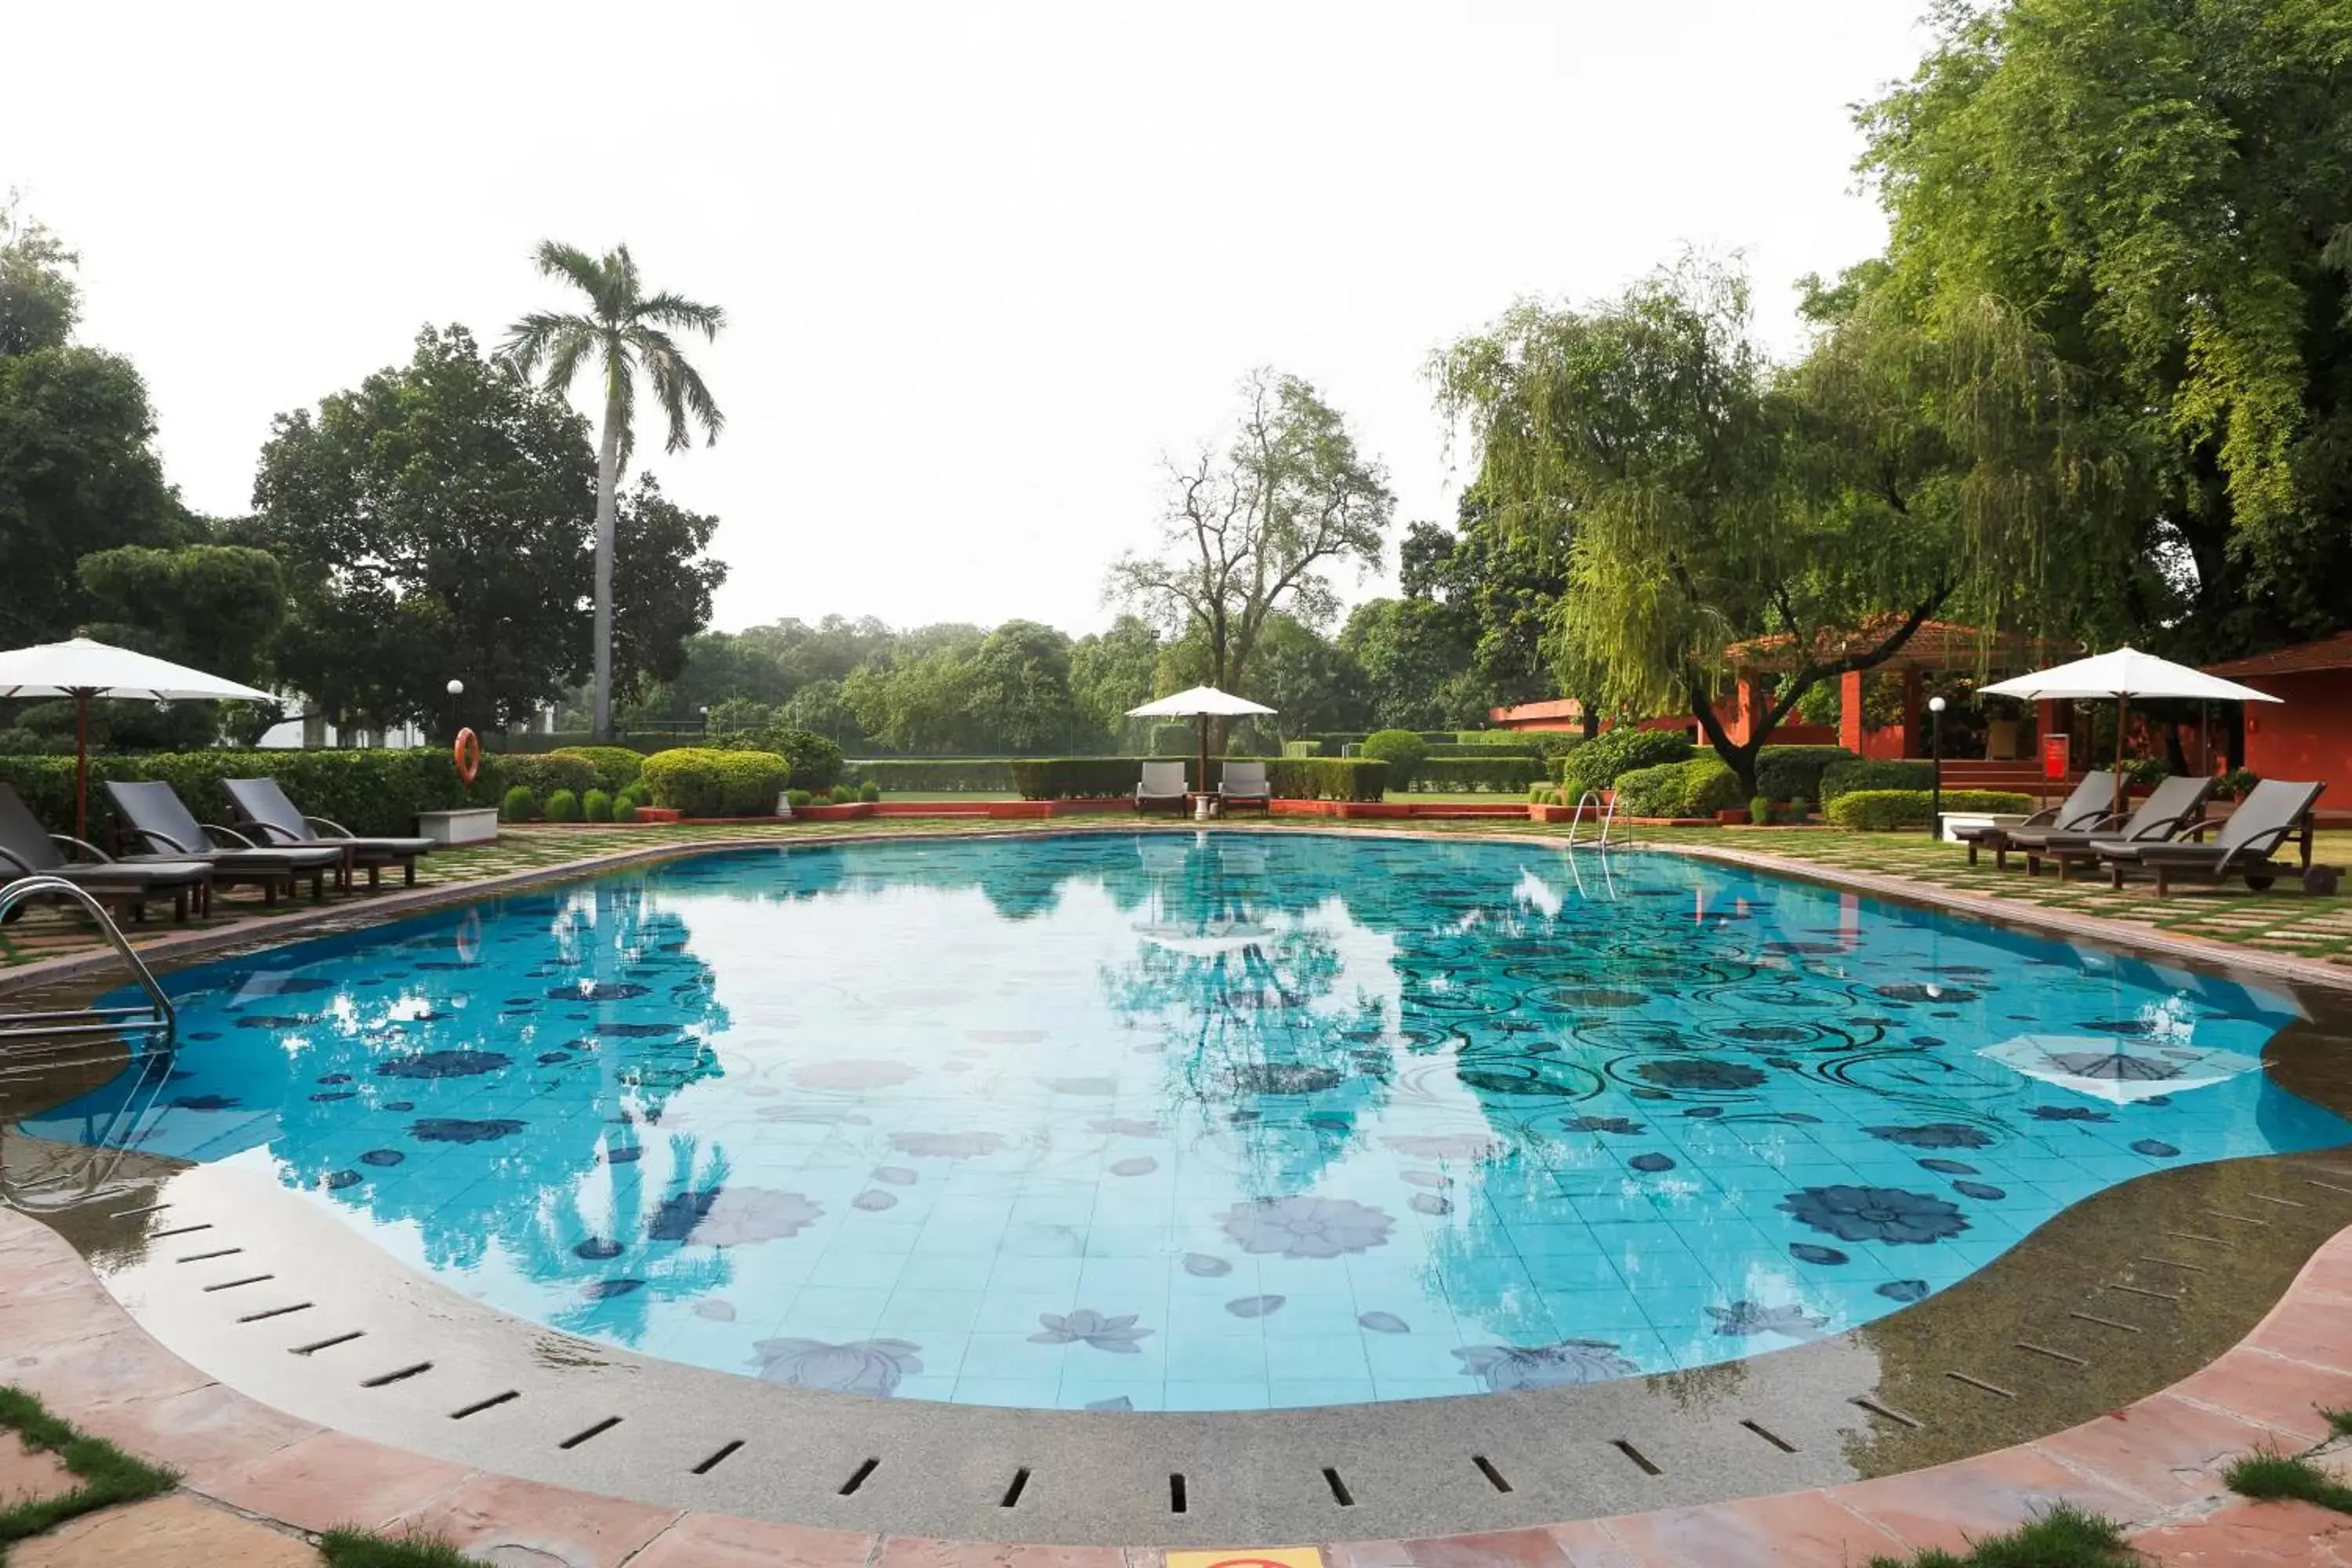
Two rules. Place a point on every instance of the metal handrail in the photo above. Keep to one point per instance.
(85, 1020)
(1606, 809)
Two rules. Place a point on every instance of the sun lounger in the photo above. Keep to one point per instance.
(261, 806)
(2089, 802)
(1244, 784)
(1162, 785)
(2274, 812)
(28, 849)
(2173, 809)
(153, 815)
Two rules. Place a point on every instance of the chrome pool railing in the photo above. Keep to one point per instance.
(1605, 810)
(157, 1014)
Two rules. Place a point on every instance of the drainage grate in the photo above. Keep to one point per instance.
(2144, 1290)
(148, 1209)
(2054, 1355)
(1992, 1388)
(1770, 1436)
(857, 1477)
(1176, 1500)
(274, 1313)
(2197, 1237)
(232, 1284)
(720, 1457)
(1339, 1492)
(200, 1257)
(492, 1403)
(192, 1230)
(1493, 1476)
(1012, 1498)
(2241, 1218)
(2175, 1263)
(2104, 1323)
(400, 1374)
(318, 1345)
(1888, 1411)
(598, 1430)
(2326, 1186)
(1642, 1461)
(2282, 1203)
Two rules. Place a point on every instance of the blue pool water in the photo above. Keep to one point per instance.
(1212, 1122)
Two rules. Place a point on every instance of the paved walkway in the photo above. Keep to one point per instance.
(2154, 1463)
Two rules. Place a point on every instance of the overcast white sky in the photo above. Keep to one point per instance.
(984, 262)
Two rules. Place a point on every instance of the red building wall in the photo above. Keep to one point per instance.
(2307, 734)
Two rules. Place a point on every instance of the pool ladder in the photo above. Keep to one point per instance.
(1605, 811)
(155, 1017)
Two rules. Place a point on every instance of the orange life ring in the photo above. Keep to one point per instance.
(468, 754)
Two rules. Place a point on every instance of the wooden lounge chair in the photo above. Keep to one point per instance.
(2274, 812)
(2173, 810)
(1162, 786)
(2089, 801)
(155, 816)
(1244, 784)
(262, 806)
(28, 849)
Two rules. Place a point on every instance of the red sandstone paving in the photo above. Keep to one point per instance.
(214, 1424)
(714, 1541)
(2311, 1327)
(1498, 1549)
(164, 1532)
(321, 1482)
(30, 1475)
(580, 1530)
(905, 1552)
(1952, 1504)
(2166, 1451)
(2255, 1535)
(2285, 1395)
(1799, 1530)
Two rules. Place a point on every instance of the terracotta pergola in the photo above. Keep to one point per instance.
(1937, 647)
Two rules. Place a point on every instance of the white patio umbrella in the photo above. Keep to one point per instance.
(82, 669)
(2119, 677)
(1200, 705)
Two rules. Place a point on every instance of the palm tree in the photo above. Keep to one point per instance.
(628, 330)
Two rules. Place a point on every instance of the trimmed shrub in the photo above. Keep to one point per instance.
(561, 807)
(636, 792)
(616, 766)
(1506, 771)
(797, 798)
(869, 791)
(1327, 778)
(1506, 745)
(698, 782)
(1759, 810)
(841, 794)
(1173, 740)
(1885, 810)
(1799, 808)
(1404, 752)
(936, 775)
(519, 806)
(1697, 786)
(596, 805)
(625, 810)
(1784, 772)
(543, 775)
(1866, 774)
(1597, 763)
(814, 761)
(373, 793)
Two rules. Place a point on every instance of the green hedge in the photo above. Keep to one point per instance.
(616, 766)
(1885, 810)
(1596, 763)
(816, 762)
(1404, 751)
(1879, 774)
(1291, 778)
(1506, 773)
(947, 776)
(1171, 741)
(1794, 773)
(1509, 746)
(544, 774)
(373, 793)
(1697, 786)
(534, 743)
(701, 781)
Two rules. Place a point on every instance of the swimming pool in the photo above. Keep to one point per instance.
(1202, 1121)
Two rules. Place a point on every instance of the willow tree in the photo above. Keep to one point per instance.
(1255, 528)
(1701, 496)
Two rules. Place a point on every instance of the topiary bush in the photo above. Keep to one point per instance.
(546, 773)
(869, 791)
(1784, 772)
(616, 766)
(1404, 751)
(1886, 810)
(797, 798)
(636, 792)
(815, 761)
(696, 780)
(624, 809)
(1868, 774)
(1697, 786)
(1598, 763)
(1759, 810)
(519, 804)
(561, 807)
(841, 794)
(596, 805)
(1492, 769)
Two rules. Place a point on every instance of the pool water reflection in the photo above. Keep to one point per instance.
(1214, 1121)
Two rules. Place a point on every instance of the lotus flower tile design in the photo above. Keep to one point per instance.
(1308, 1228)
(744, 1217)
(1791, 1321)
(1506, 1367)
(1876, 1213)
(1086, 1327)
(861, 1366)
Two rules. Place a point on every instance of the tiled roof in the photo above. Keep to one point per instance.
(2327, 653)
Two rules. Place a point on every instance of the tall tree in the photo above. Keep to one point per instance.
(1111, 672)
(625, 330)
(2164, 189)
(1254, 529)
(1017, 689)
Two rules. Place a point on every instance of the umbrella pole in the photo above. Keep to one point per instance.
(81, 764)
(1200, 734)
(2123, 712)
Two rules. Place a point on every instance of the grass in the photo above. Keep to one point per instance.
(2065, 1537)
(358, 1549)
(108, 1474)
(2267, 1476)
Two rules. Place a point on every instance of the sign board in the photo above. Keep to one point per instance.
(2056, 759)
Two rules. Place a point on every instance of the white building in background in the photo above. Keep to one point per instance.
(311, 732)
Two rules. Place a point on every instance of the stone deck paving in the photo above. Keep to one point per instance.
(2154, 1465)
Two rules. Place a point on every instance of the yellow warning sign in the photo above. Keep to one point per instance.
(1249, 1557)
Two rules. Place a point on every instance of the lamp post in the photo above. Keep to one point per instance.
(1935, 750)
(705, 719)
(455, 689)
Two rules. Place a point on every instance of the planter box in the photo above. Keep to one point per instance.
(846, 811)
(657, 814)
(1733, 816)
(1538, 813)
(469, 824)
